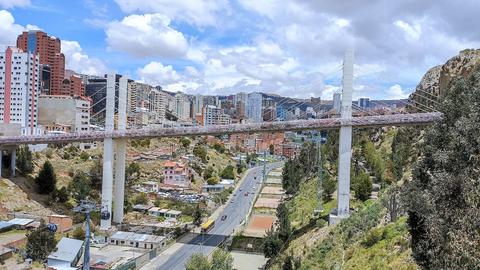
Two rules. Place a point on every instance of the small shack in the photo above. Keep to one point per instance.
(67, 254)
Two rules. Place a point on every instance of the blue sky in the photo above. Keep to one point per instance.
(287, 47)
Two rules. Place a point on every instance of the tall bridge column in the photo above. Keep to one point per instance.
(13, 162)
(107, 178)
(120, 146)
(345, 143)
(1, 162)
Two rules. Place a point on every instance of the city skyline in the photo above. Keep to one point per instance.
(231, 46)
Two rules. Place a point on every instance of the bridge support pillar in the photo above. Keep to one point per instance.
(345, 144)
(1, 162)
(13, 162)
(107, 178)
(120, 148)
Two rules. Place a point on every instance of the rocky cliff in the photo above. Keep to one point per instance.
(436, 81)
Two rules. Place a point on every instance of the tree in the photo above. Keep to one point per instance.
(131, 171)
(60, 195)
(442, 198)
(40, 243)
(200, 152)
(96, 174)
(198, 261)
(271, 244)
(288, 263)
(213, 180)
(219, 148)
(24, 160)
(291, 176)
(208, 172)
(141, 199)
(185, 142)
(228, 172)
(46, 179)
(84, 156)
(271, 149)
(197, 215)
(284, 228)
(329, 186)
(222, 260)
(362, 186)
(78, 233)
(80, 186)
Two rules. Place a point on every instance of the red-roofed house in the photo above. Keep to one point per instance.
(177, 174)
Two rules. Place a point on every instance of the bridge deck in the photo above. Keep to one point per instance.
(315, 124)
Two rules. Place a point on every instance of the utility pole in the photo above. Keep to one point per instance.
(264, 166)
(86, 207)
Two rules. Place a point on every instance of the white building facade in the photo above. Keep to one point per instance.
(19, 89)
(64, 113)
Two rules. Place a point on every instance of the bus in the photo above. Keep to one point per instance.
(208, 225)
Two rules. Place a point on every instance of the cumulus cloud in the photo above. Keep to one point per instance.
(10, 30)
(146, 35)
(78, 61)
(199, 12)
(396, 92)
(14, 3)
(156, 73)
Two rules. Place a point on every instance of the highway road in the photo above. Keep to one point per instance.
(236, 210)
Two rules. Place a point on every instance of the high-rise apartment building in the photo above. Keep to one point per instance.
(49, 51)
(254, 107)
(214, 116)
(182, 106)
(19, 89)
(240, 103)
(363, 103)
(158, 103)
(197, 104)
(138, 96)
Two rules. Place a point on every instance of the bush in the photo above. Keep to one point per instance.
(200, 152)
(362, 186)
(372, 237)
(84, 156)
(24, 160)
(228, 172)
(78, 233)
(141, 199)
(46, 179)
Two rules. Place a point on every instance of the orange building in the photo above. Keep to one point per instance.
(49, 50)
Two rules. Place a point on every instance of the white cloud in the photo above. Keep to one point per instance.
(412, 32)
(156, 73)
(10, 30)
(396, 92)
(14, 3)
(146, 35)
(199, 12)
(78, 61)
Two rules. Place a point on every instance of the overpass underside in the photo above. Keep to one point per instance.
(296, 125)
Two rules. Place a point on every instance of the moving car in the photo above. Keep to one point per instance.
(223, 217)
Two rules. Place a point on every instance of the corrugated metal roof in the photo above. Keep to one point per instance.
(5, 225)
(21, 221)
(137, 237)
(67, 250)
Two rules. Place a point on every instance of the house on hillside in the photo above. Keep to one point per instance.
(177, 174)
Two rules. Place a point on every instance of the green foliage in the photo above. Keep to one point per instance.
(141, 198)
(272, 244)
(60, 195)
(80, 186)
(213, 180)
(96, 174)
(78, 233)
(40, 243)
(220, 148)
(198, 261)
(185, 142)
(291, 176)
(401, 151)
(228, 172)
(24, 160)
(197, 215)
(442, 199)
(140, 143)
(372, 237)
(362, 186)
(200, 152)
(46, 179)
(251, 157)
(84, 156)
(208, 172)
(329, 186)
(221, 260)
(66, 156)
(284, 229)
(131, 173)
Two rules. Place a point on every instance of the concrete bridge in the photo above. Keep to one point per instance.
(114, 141)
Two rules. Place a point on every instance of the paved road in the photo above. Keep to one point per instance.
(236, 211)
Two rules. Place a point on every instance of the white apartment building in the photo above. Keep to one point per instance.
(198, 104)
(64, 113)
(20, 86)
(158, 103)
(337, 101)
(215, 116)
(254, 107)
(182, 106)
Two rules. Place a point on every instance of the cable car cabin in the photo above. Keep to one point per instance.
(105, 215)
(208, 225)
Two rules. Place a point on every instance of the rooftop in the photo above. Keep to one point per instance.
(21, 221)
(67, 249)
(137, 237)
